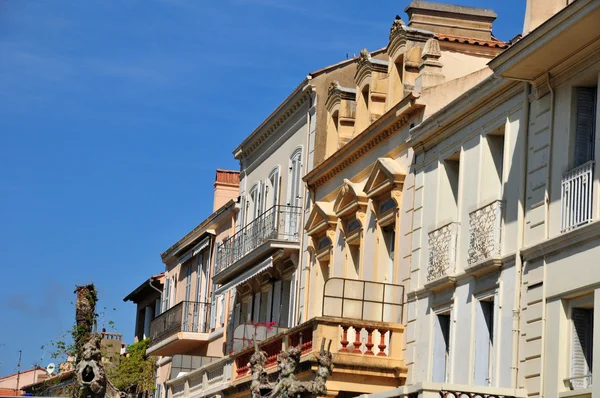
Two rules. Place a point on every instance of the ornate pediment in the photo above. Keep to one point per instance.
(398, 27)
(350, 199)
(336, 93)
(385, 175)
(321, 218)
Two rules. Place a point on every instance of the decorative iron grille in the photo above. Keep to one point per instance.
(485, 230)
(442, 251)
(277, 223)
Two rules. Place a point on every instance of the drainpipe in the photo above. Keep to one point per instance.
(516, 330)
(154, 287)
(548, 174)
(308, 89)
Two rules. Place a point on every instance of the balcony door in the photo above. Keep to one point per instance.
(187, 310)
(294, 195)
(201, 306)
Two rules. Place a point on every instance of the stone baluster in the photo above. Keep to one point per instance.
(344, 342)
(382, 345)
(369, 344)
(357, 343)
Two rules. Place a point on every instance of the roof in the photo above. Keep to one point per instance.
(59, 377)
(9, 392)
(138, 290)
(25, 371)
(270, 123)
(468, 40)
(178, 245)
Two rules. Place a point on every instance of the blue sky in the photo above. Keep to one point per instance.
(113, 118)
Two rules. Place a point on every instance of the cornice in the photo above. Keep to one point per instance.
(562, 242)
(336, 93)
(378, 132)
(199, 230)
(286, 110)
(461, 112)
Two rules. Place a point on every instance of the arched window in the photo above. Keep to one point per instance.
(294, 177)
(272, 190)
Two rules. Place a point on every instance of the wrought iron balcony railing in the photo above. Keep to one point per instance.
(277, 223)
(442, 251)
(576, 196)
(485, 229)
(187, 316)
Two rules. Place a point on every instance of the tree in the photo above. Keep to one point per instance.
(134, 373)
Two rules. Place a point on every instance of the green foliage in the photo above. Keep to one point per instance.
(135, 372)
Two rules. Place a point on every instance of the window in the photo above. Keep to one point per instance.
(585, 125)
(272, 191)
(295, 178)
(389, 245)
(354, 261)
(582, 321)
(449, 188)
(492, 166)
(286, 303)
(441, 348)
(484, 342)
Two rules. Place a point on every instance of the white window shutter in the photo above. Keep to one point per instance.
(581, 355)
(221, 305)
(256, 311)
(276, 316)
(585, 125)
(213, 313)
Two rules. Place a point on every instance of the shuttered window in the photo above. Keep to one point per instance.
(585, 125)
(441, 348)
(581, 355)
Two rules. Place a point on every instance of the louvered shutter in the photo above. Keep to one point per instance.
(581, 356)
(276, 302)
(585, 125)
(221, 305)
(440, 347)
(256, 311)
(213, 313)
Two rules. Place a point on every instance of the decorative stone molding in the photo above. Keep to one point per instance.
(320, 219)
(351, 199)
(369, 139)
(386, 175)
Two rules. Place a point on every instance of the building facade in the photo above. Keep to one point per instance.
(429, 207)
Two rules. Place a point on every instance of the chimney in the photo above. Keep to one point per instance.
(451, 20)
(539, 11)
(227, 186)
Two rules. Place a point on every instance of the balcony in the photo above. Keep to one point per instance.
(445, 390)
(181, 328)
(245, 334)
(576, 197)
(205, 381)
(579, 386)
(442, 252)
(276, 228)
(362, 319)
(485, 231)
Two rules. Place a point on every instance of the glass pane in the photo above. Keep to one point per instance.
(373, 292)
(393, 294)
(372, 311)
(334, 287)
(354, 289)
(352, 309)
(392, 313)
(332, 307)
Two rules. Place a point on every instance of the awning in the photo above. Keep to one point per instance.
(195, 250)
(257, 269)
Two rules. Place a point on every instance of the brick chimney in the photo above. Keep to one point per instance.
(451, 20)
(227, 187)
(539, 11)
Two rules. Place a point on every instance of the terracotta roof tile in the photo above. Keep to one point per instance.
(470, 40)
